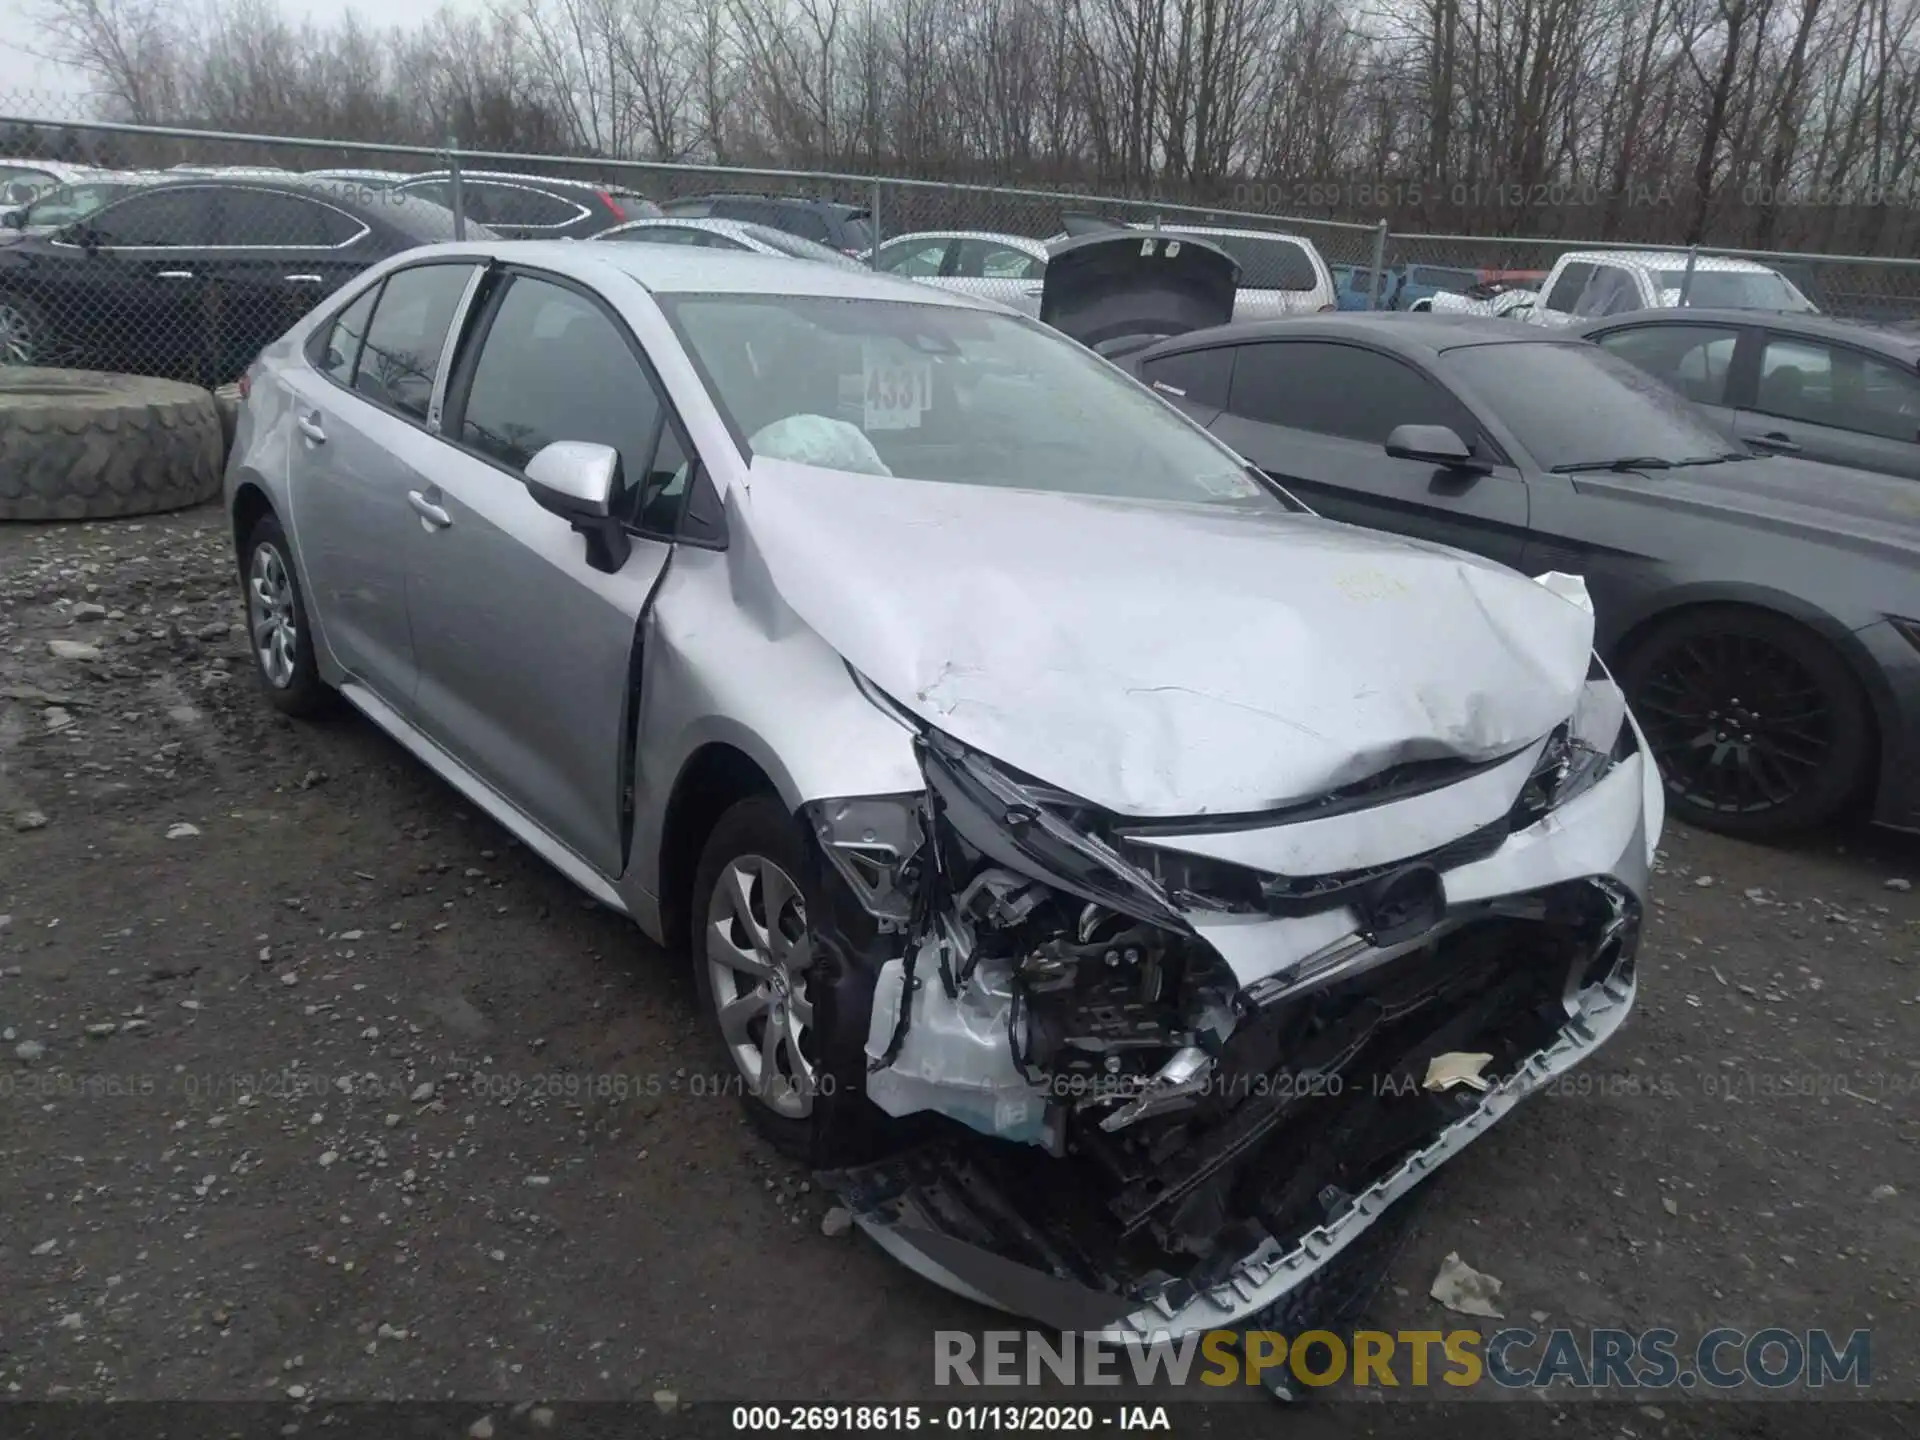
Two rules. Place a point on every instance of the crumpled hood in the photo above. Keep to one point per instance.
(1165, 659)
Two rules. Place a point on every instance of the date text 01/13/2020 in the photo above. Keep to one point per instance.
(887, 1419)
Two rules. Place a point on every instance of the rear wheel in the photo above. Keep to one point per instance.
(1760, 729)
(23, 333)
(278, 633)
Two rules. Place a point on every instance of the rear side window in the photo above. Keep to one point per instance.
(342, 349)
(518, 204)
(1200, 377)
(1339, 390)
(401, 356)
(264, 218)
(989, 260)
(918, 259)
(1823, 384)
(654, 235)
(554, 366)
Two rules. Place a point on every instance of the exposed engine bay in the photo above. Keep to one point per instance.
(1159, 1070)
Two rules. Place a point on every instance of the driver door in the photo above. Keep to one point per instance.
(526, 651)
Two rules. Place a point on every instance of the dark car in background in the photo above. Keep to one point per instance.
(1843, 391)
(74, 200)
(1761, 612)
(846, 228)
(188, 279)
(531, 207)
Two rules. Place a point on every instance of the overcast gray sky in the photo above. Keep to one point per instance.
(23, 77)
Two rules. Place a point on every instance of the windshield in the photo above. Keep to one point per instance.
(799, 246)
(1578, 405)
(1735, 290)
(932, 392)
(66, 203)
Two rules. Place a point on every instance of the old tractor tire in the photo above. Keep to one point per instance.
(226, 400)
(82, 444)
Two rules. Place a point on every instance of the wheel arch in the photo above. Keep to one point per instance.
(250, 507)
(716, 776)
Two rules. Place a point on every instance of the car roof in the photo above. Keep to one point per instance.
(521, 177)
(64, 171)
(1898, 340)
(1668, 260)
(1424, 335)
(680, 270)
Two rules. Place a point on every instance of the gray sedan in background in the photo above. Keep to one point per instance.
(747, 235)
(1789, 383)
(1035, 792)
(1762, 612)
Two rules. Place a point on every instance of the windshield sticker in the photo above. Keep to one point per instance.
(896, 392)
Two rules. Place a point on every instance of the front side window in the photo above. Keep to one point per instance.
(1835, 385)
(1611, 291)
(1693, 359)
(555, 366)
(939, 393)
(916, 259)
(169, 218)
(1339, 390)
(401, 356)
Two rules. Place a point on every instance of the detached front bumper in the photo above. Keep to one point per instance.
(987, 1220)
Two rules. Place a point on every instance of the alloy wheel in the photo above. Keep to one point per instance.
(758, 955)
(270, 616)
(1739, 726)
(17, 340)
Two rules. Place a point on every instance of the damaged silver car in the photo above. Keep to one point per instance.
(1127, 884)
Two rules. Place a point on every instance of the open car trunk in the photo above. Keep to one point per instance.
(1115, 290)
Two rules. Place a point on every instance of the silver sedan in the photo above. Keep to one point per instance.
(1017, 771)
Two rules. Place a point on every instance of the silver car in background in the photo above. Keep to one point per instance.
(1280, 274)
(711, 234)
(1072, 837)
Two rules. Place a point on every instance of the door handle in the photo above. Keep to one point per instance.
(174, 274)
(1777, 442)
(431, 515)
(304, 279)
(310, 427)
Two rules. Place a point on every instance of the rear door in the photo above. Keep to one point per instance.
(1315, 415)
(275, 256)
(364, 415)
(525, 650)
(1828, 401)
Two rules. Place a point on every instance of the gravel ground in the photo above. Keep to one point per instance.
(316, 1085)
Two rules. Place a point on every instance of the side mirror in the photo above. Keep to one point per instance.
(1435, 445)
(578, 481)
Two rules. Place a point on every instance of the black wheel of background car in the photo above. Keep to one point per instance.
(278, 635)
(769, 990)
(24, 335)
(83, 444)
(1760, 729)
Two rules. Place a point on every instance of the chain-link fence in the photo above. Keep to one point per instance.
(181, 252)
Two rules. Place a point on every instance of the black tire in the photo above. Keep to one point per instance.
(300, 693)
(1760, 728)
(840, 1123)
(83, 444)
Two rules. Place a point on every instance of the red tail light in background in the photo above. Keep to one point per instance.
(614, 206)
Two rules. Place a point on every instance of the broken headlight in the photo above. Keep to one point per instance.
(1595, 738)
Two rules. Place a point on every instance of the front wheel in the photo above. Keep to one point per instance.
(787, 1020)
(1759, 727)
(24, 338)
